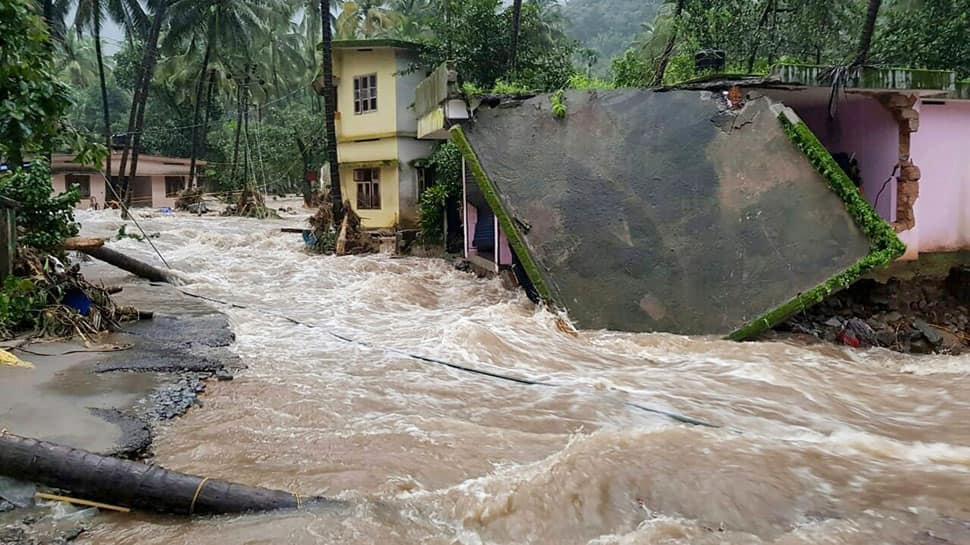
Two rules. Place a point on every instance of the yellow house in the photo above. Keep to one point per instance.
(377, 145)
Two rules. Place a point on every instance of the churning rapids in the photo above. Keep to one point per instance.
(816, 444)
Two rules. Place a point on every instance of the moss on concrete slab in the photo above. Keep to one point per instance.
(516, 240)
(884, 244)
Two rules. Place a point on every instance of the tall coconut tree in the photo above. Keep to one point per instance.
(136, 118)
(516, 25)
(658, 75)
(414, 19)
(868, 29)
(366, 19)
(232, 25)
(55, 15)
(330, 96)
(282, 48)
(76, 62)
(90, 15)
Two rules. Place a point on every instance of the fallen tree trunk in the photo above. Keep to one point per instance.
(131, 265)
(82, 243)
(132, 484)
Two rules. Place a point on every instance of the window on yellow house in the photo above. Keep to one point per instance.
(368, 182)
(365, 94)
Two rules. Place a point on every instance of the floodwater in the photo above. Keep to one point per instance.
(815, 445)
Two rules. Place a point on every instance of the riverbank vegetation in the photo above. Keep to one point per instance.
(43, 294)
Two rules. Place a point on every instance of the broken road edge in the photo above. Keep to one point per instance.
(884, 245)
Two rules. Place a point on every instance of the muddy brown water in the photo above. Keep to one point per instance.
(816, 445)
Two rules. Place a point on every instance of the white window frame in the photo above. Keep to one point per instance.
(365, 94)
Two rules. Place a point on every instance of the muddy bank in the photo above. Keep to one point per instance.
(110, 396)
(915, 313)
(125, 382)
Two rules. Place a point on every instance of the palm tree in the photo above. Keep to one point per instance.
(516, 22)
(414, 19)
(76, 60)
(283, 47)
(136, 118)
(55, 15)
(366, 19)
(330, 96)
(219, 24)
(552, 23)
(131, 16)
(658, 76)
(868, 28)
(90, 15)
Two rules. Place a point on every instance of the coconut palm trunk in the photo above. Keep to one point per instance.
(516, 24)
(148, 71)
(199, 89)
(769, 7)
(136, 119)
(235, 149)
(658, 76)
(330, 95)
(104, 92)
(208, 110)
(868, 29)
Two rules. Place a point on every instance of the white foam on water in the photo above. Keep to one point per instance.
(817, 442)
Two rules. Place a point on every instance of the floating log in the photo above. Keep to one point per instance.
(138, 268)
(83, 243)
(297, 230)
(135, 485)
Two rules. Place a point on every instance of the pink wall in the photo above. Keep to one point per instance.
(504, 252)
(59, 182)
(471, 221)
(865, 128)
(159, 200)
(941, 149)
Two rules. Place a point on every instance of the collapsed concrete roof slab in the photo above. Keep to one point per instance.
(671, 211)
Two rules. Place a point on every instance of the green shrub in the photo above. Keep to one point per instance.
(511, 88)
(584, 82)
(445, 162)
(44, 219)
(469, 90)
(20, 305)
(558, 100)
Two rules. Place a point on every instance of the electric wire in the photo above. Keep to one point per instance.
(435, 361)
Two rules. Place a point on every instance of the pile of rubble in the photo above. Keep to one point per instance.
(919, 315)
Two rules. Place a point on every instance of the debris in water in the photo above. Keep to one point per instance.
(250, 204)
(6, 358)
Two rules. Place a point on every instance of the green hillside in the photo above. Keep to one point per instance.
(608, 26)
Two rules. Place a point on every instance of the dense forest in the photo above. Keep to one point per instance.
(232, 82)
(607, 27)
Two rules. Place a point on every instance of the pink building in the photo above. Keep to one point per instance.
(486, 245)
(157, 182)
(908, 133)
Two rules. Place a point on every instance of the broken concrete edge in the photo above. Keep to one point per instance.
(867, 77)
(885, 246)
(516, 240)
